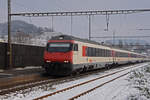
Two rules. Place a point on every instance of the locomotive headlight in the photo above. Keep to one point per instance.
(66, 61)
(48, 61)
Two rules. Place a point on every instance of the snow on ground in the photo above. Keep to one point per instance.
(1, 70)
(124, 88)
(121, 89)
(116, 90)
(28, 67)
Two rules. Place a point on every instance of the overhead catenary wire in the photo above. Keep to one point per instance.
(123, 37)
(79, 13)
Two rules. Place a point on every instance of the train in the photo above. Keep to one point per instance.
(65, 55)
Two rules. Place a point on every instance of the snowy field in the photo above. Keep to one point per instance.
(134, 86)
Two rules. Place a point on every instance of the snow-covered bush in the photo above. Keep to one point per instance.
(140, 79)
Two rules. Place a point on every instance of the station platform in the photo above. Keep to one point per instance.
(20, 71)
(9, 78)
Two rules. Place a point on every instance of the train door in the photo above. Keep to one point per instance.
(75, 53)
(129, 57)
(113, 56)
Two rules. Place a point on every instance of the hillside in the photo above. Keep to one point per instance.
(22, 26)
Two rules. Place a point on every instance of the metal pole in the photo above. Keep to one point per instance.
(71, 24)
(9, 46)
(52, 24)
(89, 27)
(114, 38)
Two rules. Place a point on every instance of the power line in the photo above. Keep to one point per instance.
(79, 13)
(143, 29)
(123, 37)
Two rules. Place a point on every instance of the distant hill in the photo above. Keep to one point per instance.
(22, 26)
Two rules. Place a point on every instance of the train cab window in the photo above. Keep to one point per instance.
(75, 47)
(59, 47)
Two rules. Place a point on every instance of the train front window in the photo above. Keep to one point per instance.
(59, 47)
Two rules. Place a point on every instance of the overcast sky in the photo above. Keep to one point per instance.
(121, 24)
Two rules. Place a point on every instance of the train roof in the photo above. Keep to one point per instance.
(68, 37)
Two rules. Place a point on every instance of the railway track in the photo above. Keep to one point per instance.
(90, 83)
(25, 84)
(44, 81)
(18, 85)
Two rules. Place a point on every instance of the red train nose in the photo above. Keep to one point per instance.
(58, 57)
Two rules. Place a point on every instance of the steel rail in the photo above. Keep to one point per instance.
(30, 84)
(77, 85)
(90, 90)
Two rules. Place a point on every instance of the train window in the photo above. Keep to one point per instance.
(102, 52)
(105, 53)
(97, 52)
(89, 51)
(118, 54)
(92, 52)
(110, 53)
(86, 52)
(75, 47)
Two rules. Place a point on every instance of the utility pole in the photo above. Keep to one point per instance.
(114, 38)
(89, 27)
(71, 25)
(9, 46)
(52, 24)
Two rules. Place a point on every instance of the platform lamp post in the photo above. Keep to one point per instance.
(9, 46)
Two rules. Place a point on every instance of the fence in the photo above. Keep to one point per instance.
(22, 55)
